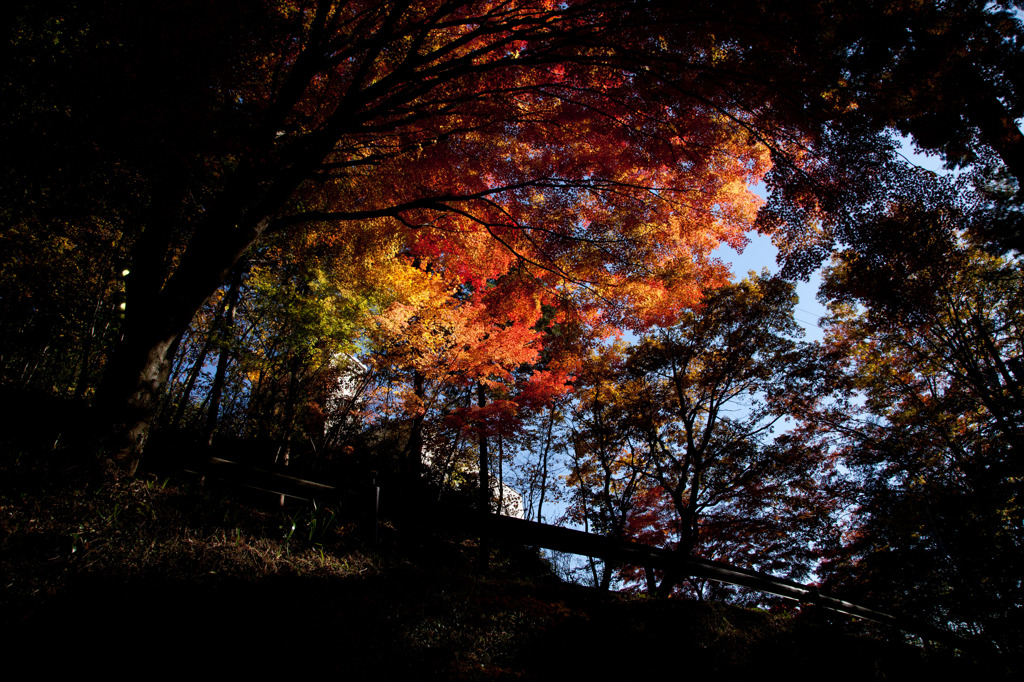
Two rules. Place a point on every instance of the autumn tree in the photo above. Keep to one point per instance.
(703, 399)
(931, 336)
(520, 136)
(276, 341)
(946, 75)
(607, 472)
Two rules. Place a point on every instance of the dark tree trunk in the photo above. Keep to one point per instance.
(485, 482)
(156, 316)
(652, 581)
(606, 575)
(284, 449)
(544, 466)
(501, 476)
(412, 455)
(131, 388)
(484, 463)
(219, 377)
(687, 541)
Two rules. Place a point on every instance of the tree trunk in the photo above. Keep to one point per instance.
(501, 476)
(484, 461)
(155, 317)
(652, 581)
(606, 575)
(412, 455)
(131, 388)
(485, 482)
(219, 377)
(544, 466)
(284, 449)
(687, 541)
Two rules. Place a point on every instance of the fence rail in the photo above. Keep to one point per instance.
(578, 542)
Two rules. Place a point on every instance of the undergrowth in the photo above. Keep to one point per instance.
(116, 572)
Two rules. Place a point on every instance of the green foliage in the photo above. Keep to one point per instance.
(313, 525)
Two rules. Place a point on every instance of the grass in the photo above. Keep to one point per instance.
(159, 574)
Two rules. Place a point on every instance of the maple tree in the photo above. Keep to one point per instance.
(599, 149)
(524, 146)
(672, 445)
(607, 474)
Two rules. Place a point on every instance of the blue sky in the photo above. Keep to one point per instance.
(761, 253)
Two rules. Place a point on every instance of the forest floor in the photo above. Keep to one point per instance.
(159, 573)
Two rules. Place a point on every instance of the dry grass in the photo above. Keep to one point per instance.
(160, 574)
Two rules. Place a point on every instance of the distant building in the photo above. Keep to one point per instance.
(512, 500)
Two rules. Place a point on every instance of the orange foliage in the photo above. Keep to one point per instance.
(499, 151)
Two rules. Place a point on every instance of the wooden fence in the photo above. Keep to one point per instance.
(533, 534)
